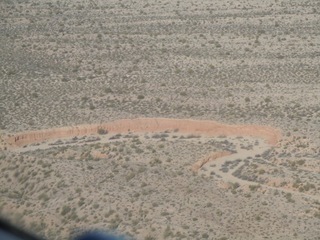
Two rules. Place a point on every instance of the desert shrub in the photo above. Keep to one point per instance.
(317, 215)
(289, 198)
(44, 197)
(300, 162)
(81, 202)
(193, 136)
(130, 175)
(92, 107)
(167, 232)
(149, 238)
(253, 187)
(65, 210)
(205, 236)
(108, 90)
(102, 131)
(235, 185)
(96, 206)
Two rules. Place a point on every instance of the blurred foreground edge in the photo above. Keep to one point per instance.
(10, 232)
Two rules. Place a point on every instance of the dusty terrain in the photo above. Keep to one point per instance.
(170, 178)
(161, 119)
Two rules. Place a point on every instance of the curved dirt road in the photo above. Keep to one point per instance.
(243, 154)
(270, 135)
(208, 128)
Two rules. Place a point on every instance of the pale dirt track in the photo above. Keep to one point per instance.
(208, 128)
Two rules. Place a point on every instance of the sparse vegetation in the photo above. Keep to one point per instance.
(249, 62)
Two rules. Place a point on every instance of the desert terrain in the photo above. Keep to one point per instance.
(161, 119)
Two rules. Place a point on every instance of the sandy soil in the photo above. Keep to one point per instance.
(208, 128)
